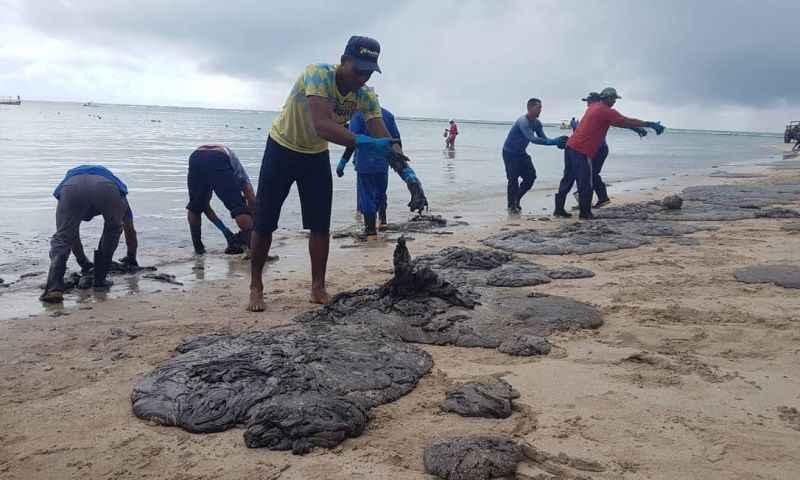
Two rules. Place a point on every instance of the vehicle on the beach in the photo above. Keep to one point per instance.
(10, 101)
(792, 133)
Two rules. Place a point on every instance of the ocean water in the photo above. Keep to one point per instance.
(148, 148)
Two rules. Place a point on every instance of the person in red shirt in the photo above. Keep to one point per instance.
(451, 133)
(591, 131)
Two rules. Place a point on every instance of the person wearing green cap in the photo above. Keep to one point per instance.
(589, 135)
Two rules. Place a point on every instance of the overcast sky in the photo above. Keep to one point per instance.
(691, 64)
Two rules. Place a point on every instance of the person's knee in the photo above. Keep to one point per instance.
(259, 241)
(529, 177)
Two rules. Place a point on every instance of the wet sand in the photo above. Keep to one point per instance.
(693, 374)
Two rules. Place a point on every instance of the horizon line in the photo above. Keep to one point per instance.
(401, 117)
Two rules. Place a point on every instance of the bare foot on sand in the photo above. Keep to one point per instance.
(256, 300)
(319, 295)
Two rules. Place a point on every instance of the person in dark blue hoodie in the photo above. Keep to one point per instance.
(519, 165)
(373, 175)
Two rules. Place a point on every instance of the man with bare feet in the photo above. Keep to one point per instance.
(322, 101)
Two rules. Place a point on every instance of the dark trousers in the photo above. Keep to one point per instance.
(82, 198)
(520, 174)
(598, 160)
(577, 169)
(371, 192)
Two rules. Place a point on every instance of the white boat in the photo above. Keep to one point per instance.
(10, 101)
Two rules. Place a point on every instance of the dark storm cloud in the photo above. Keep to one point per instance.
(483, 57)
(245, 38)
(735, 52)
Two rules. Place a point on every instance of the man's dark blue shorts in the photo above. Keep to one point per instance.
(280, 168)
(211, 171)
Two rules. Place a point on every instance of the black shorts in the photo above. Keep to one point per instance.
(211, 171)
(280, 168)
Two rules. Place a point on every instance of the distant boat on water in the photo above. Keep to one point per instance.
(89, 104)
(10, 101)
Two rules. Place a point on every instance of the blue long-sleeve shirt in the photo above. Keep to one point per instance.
(366, 163)
(522, 133)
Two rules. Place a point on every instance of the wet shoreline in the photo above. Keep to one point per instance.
(19, 296)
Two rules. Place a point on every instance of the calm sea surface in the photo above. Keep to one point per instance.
(148, 148)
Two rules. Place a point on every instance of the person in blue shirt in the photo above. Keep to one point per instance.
(86, 192)
(520, 171)
(372, 174)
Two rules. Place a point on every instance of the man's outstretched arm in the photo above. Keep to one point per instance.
(326, 127)
(632, 123)
(537, 136)
(377, 128)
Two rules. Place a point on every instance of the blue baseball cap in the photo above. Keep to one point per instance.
(364, 51)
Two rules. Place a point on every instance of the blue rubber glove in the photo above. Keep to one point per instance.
(340, 167)
(641, 131)
(372, 145)
(408, 175)
(222, 228)
(559, 142)
(657, 127)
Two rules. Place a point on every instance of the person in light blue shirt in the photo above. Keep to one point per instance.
(520, 171)
(372, 174)
(86, 192)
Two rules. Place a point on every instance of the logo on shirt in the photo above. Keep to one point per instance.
(344, 110)
(368, 52)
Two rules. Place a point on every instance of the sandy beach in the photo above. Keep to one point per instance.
(693, 374)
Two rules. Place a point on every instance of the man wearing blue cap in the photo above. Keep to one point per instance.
(322, 101)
